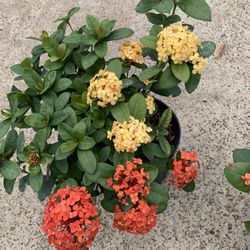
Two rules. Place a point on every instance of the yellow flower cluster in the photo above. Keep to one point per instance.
(105, 88)
(131, 51)
(150, 104)
(181, 44)
(129, 135)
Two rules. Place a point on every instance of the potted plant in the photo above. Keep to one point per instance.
(97, 129)
(238, 173)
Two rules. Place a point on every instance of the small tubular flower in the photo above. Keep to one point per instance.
(129, 135)
(105, 88)
(140, 219)
(150, 104)
(181, 45)
(131, 52)
(185, 169)
(129, 182)
(71, 219)
(246, 179)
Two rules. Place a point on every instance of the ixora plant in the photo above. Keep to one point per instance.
(97, 130)
(238, 173)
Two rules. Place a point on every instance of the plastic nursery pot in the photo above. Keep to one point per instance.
(174, 140)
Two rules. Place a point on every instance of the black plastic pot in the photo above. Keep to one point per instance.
(176, 130)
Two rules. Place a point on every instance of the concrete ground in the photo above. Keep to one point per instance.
(215, 120)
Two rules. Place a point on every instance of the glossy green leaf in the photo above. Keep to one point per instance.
(119, 34)
(148, 73)
(109, 205)
(207, 49)
(36, 121)
(164, 6)
(233, 174)
(116, 67)
(4, 128)
(62, 101)
(158, 196)
(152, 170)
(58, 117)
(98, 118)
(104, 154)
(120, 112)
(168, 80)
(181, 71)
(40, 138)
(197, 9)
(101, 49)
(88, 60)
(86, 143)
(190, 187)
(247, 226)
(192, 82)
(62, 84)
(121, 158)
(8, 185)
(165, 119)
(92, 23)
(62, 166)
(69, 183)
(87, 160)
(36, 182)
(165, 146)
(68, 146)
(65, 131)
(79, 130)
(137, 106)
(149, 41)
(145, 6)
(10, 170)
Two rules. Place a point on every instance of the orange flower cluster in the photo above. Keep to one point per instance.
(185, 169)
(130, 182)
(246, 179)
(138, 220)
(71, 219)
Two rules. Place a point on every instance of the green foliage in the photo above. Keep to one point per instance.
(181, 71)
(241, 155)
(137, 106)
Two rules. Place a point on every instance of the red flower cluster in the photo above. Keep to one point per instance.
(185, 169)
(246, 179)
(71, 219)
(130, 181)
(138, 220)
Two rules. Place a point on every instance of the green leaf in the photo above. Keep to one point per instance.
(92, 23)
(62, 166)
(86, 181)
(145, 6)
(4, 128)
(172, 19)
(168, 80)
(104, 154)
(9, 185)
(164, 6)
(50, 66)
(45, 191)
(197, 9)
(79, 130)
(152, 170)
(149, 41)
(148, 73)
(61, 156)
(105, 28)
(88, 39)
(62, 101)
(192, 82)
(88, 60)
(23, 182)
(73, 11)
(233, 174)
(155, 30)
(121, 158)
(109, 205)
(40, 138)
(165, 146)
(69, 183)
(49, 45)
(137, 106)
(62, 84)
(115, 66)
(31, 78)
(34, 170)
(119, 34)
(165, 119)
(58, 117)
(20, 142)
(190, 187)
(159, 196)
(72, 119)
(86, 143)
(181, 71)
(101, 49)
(99, 135)
(36, 121)
(87, 160)
(46, 159)
(68, 146)
(157, 19)
(98, 118)
(101, 174)
(69, 68)
(10, 170)
(36, 182)
(152, 150)
(65, 131)
(10, 143)
(241, 155)
(207, 49)
(247, 226)
(120, 112)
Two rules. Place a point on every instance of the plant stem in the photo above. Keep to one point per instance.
(175, 6)
(70, 26)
